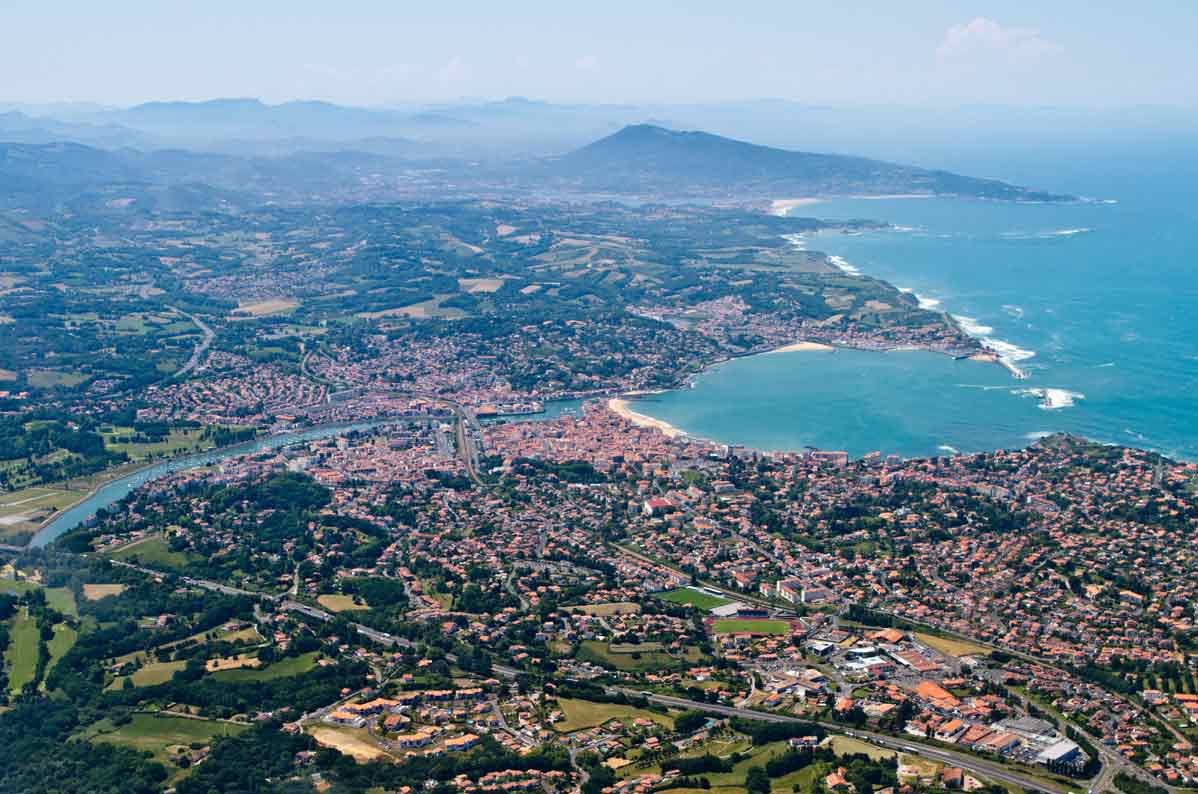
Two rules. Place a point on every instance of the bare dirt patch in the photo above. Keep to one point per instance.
(264, 308)
(476, 285)
(94, 592)
(347, 742)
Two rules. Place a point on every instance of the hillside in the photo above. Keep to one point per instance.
(645, 158)
(57, 175)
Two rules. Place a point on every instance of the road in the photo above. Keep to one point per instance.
(1112, 761)
(989, 769)
(980, 766)
(197, 354)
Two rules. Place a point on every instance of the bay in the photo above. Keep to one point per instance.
(1098, 301)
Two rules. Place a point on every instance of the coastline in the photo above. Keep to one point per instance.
(991, 350)
(619, 406)
(782, 207)
(805, 345)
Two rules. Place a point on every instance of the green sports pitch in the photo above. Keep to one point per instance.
(735, 626)
(698, 598)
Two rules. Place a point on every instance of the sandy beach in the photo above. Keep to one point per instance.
(620, 407)
(783, 206)
(809, 346)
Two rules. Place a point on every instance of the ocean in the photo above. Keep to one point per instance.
(1097, 302)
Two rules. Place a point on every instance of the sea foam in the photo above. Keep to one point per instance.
(1006, 350)
(843, 266)
(971, 326)
(924, 302)
(1052, 399)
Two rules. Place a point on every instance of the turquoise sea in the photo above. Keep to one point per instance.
(1097, 302)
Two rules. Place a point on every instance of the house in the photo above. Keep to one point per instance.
(657, 505)
(951, 731)
(410, 741)
(836, 780)
(343, 717)
(790, 590)
(460, 743)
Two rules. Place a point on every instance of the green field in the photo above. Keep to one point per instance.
(847, 745)
(64, 637)
(697, 598)
(57, 598)
(733, 782)
(292, 665)
(339, 603)
(625, 657)
(152, 551)
(249, 634)
(582, 714)
(153, 733)
(150, 675)
(51, 378)
(17, 587)
(178, 441)
(734, 626)
(62, 600)
(21, 654)
(952, 647)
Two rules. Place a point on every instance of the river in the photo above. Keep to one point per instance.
(117, 489)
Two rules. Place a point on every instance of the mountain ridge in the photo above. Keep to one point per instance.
(652, 158)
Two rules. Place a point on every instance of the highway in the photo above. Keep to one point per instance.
(201, 347)
(980, 766)
(988, 769)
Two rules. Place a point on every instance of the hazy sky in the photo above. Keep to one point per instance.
(361, 52)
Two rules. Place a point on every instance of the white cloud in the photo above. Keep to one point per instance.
(985, 38)
(455, 71)
(587, 63)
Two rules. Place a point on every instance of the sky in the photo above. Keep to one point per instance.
(1072, 52)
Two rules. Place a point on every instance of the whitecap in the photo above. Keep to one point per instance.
(1013, 310)
(1067, 232)
(1038, 435)
(1007, 351)
(843, 266)
(797, 240)
(971, 326)
(948, 449)
(1052, 399)
(1106, 365)
(923, 301)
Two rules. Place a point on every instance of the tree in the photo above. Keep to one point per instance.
(757, 781)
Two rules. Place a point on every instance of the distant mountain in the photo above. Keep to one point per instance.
(66, 175)
(55, 176)
(644, 158)
(19, 127)
(215, 121)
